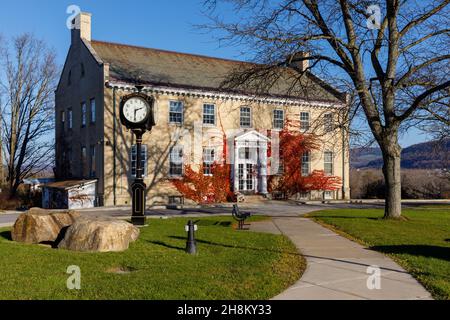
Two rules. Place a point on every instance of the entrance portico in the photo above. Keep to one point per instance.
(250, 163)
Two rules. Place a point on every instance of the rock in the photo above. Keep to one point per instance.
(91, 234)
(39, 225)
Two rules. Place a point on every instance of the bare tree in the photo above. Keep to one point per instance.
(28, 80)
(395, 67)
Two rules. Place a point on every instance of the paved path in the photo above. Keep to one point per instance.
(337, 267)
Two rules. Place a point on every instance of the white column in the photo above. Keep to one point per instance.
(263, 169)
(236, 168)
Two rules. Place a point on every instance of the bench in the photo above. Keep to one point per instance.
(240, 217)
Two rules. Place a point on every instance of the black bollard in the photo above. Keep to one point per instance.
(191, 246)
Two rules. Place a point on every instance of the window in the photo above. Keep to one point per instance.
(209, 114)
(328, 122)
(83, 114)
(246, 117)
(69, 78)
(304, 121)
(70, 118)
(328, 195)
(176, 112)
(244, 153)
(83, 71)
(93, 164)
(281, 165)
(328, 162)
(143, 160)
(176, 161)
(208, 160)
(93, 110)
(83, 161)
(278, 119)
(241, 176)
(63, 120)
(306, 164)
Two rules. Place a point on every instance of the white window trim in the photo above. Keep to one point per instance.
(203, 115)
(251, 117)
(209, 161)
(178, 147)
(182, 113)
(273, 120)
(309, 120)
(328, 127)
(332, 162)
(309, 164)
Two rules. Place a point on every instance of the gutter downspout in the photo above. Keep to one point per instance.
(343, 164)
(114, 146)
(344, 140)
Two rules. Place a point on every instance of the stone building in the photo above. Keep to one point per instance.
(91, 143)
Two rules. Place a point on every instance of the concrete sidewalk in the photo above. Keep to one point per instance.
(337, 267)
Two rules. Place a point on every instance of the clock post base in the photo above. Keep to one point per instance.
(138, 202)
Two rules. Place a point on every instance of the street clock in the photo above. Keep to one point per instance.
(136, 114)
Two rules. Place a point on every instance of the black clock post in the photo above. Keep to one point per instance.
(138, 187)
(136, 113)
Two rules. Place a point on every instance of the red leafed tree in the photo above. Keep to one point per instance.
(201, 188)
(293, 144)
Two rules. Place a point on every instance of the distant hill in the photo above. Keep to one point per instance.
(427, 155)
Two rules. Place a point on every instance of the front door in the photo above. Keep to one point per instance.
(247, 170)
(247, 177)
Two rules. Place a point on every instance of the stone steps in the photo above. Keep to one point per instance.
(255, 199)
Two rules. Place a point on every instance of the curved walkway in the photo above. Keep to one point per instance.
(338, 268)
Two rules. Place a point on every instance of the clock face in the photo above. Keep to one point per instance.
(135, 110)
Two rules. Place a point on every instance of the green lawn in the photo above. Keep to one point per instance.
(231, 264)
(421, 244)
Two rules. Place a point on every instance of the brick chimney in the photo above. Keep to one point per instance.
(82, 27)
(295, 62)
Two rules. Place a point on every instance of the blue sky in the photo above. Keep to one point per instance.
(151, 23)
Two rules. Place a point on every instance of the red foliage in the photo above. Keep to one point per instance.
(202, 188)
(216, 188)
(292, 145)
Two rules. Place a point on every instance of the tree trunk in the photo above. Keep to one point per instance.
(392, 177)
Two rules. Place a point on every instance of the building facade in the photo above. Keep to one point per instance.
(192, 113)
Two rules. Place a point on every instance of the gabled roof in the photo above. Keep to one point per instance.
(252, 135)
(131, 64)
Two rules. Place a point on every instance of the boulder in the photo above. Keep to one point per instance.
(92, 234)
(39, 225)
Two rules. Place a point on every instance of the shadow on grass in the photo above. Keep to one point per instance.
(346, 217)
(6, 235)
(160, 243)
(204, 222)
(236, 247)
(437, 252)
